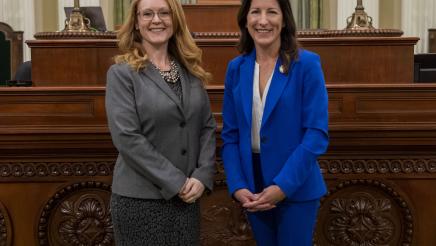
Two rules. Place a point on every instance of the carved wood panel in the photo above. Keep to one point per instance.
(364, 212)
(55, 169)
(223, 221)
(5, 227)
(77, 215)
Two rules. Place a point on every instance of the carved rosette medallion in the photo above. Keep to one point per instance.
(78, 214)
(5, 227)
(364, 212)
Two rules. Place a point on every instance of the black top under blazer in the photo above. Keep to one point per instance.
(161, 141)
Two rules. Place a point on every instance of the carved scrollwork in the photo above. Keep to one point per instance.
(220, 178)
(5, 227)
(407, 166)
(225, 223)
(87, 220)
(79, 214)
(54, 169)
(364, 212)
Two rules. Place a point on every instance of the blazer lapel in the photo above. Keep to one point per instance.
(246, 82)
(278, 83)
(153, 74)
(186, 87)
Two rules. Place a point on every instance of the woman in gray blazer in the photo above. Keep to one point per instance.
(161, 123)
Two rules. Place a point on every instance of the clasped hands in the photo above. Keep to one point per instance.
(191, 190)
(265, 200)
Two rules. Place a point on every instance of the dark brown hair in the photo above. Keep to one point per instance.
(288, 36)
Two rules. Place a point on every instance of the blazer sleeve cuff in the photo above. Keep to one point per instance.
(237, 186)
(286, 187)
(205, 179)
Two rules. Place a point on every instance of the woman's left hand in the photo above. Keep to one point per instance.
(267, 199)
(192, 190)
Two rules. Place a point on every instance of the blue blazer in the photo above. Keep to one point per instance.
(294, 129)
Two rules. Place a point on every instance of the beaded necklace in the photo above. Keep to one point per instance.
(170, 76)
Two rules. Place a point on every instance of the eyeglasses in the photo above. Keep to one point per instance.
(148, 15)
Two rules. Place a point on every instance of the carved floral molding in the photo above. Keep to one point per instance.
(105, 168)
(381, 166)
(225, 224)
(302, 34)
(44, 169)
(78, 214)
(364, 212)
(75, 35)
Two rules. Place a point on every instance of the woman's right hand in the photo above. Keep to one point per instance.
(191, 190)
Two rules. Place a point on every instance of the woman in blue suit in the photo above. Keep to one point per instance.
(275, 125)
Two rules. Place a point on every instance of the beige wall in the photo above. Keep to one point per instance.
(46, 15)
(329, 13)
(108, 12)
(390, 14)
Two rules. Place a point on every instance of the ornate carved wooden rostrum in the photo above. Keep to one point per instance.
(57, 157)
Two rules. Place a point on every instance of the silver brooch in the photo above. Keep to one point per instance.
(282, 69)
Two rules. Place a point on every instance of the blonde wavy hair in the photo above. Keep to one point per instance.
(181, 45)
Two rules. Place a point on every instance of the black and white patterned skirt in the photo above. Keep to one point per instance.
(155, 222)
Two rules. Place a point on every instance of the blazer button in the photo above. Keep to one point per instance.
(263, 139)
(183, 152)
(182, 124)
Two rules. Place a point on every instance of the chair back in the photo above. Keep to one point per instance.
(11, 52)
(425, 67)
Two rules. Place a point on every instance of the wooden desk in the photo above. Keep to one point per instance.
(56, 157)
(344, 60)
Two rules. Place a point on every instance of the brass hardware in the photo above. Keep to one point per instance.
(359, 20)
(77, 21)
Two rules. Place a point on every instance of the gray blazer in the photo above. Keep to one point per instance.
(160, 140)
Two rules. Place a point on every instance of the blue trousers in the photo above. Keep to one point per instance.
(289, 224)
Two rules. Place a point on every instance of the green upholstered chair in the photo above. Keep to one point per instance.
(11, 52)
